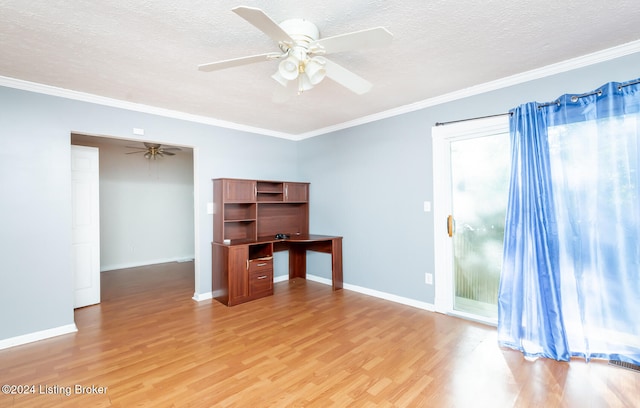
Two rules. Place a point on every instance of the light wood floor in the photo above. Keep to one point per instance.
(149, 344)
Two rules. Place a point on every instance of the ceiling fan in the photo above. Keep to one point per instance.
(302, 51)
(153, 150)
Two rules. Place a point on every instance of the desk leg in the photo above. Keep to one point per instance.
(297, 262)
(336, 263)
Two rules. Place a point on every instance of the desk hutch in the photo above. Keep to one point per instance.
(248, 214)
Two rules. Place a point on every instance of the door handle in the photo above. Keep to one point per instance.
(450, 225)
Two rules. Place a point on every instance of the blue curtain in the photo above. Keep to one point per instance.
(570, 282)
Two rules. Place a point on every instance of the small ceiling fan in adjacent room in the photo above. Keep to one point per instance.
(302, 51)
(154, 150)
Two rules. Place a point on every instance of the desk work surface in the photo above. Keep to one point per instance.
(290, 238)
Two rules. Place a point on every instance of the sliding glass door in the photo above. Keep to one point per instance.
(471, 194)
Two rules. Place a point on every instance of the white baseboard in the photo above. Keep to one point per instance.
(199, 297)
(280, 278)
(145, 263)
(375, 293)
(319, 279)
(36, 336)
(393, 298)
(365, 291)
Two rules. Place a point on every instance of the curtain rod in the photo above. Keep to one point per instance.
(478, 117)
(634, 82)
(574, 98)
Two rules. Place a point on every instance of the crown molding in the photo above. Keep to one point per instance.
(564, 66)
(132, 106)
(553, 69)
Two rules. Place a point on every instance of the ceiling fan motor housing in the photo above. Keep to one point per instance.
(302, 31)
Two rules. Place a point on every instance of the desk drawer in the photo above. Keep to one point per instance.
(257, 265)
(261, 281)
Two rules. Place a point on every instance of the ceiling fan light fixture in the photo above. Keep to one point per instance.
(315, 70)
(288, 68)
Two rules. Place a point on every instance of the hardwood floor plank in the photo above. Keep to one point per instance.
(150, 344)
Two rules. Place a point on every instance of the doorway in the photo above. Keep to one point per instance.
(471, 160)
(147, 211)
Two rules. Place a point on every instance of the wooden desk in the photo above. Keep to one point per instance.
(247, 215)
(243, 270)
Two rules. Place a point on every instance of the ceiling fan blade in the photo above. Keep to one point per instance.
(346, 78)
(164, 149)
(263, 22)
(139, 151)
(167, 153)
(373, 37)
(214, 66)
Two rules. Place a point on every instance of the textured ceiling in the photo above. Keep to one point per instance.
(147, 51)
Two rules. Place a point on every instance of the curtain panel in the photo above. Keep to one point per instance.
(570, 282)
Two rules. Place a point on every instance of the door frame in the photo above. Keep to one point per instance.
(442, 136)
(197, 296)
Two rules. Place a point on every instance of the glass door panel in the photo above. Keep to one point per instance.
(479, 190)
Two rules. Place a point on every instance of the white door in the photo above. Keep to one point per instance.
(471, 161)
(86, 225)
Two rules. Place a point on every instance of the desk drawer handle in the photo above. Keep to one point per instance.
(262, 277)
(262, 264)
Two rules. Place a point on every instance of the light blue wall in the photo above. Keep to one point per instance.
(35, 190)
(146, 206)
(368, 183)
